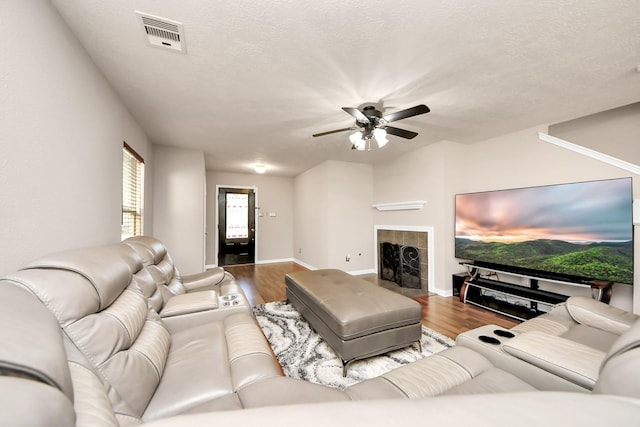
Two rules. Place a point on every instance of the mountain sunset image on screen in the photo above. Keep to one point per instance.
(580, 229)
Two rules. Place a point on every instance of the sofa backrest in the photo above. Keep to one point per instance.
(108, 326)
(620, 369)
(159, 264)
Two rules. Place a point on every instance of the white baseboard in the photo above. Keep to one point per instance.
(441, 292)
(273, 261)
(361, 272)
(267, 261)
(304, 264)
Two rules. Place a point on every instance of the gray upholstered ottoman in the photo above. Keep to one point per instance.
(356, 318)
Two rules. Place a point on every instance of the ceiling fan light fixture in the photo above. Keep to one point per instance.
(355, 137)
(380, 136)
(373, 125)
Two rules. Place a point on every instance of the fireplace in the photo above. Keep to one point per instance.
(400, 264)
(402, 256)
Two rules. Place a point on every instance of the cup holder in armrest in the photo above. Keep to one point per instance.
(503, 333)
(230, 303)
(489, 340)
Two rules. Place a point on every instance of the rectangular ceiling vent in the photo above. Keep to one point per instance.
(162, 32)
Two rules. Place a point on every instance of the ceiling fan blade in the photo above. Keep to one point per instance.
(400, 132)
(357, 114)
(331, 131)
(403, 114)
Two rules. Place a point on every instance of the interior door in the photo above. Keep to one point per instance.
(236, 226)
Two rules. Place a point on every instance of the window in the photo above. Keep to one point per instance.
(237, 216)
(132, 192)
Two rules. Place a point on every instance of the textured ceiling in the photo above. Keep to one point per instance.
(260, 77)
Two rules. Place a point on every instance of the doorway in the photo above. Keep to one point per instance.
(236, 226)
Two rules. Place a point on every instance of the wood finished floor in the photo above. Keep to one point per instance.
(447, 315)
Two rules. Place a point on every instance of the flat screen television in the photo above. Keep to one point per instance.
(577, 232)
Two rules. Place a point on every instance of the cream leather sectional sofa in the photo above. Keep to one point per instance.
(114, 336)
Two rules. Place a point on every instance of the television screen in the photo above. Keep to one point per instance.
(575, 232)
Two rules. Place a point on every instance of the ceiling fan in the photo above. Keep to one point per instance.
(371, 124)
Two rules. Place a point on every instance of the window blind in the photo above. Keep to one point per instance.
(132, 192)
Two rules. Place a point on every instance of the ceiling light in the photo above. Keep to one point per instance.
(381, 137)
(355, 137)
(260, 168)
(357, 140)
(361, 140)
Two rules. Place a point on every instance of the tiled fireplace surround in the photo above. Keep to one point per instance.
(419, 239)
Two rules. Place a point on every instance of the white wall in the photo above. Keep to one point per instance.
(350, 216)
(440, 171)
(179, 205)
(310, 221)
(61, 134)
(333, 216)
(613, 132)
(430, 174)
(274, 236)
(524, 160)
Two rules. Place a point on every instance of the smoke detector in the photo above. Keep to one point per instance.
(162, 32)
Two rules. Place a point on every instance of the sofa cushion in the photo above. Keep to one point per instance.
(492, 380)
(197, 372)
(556, 322)
(250, 357)
(567, 359)
(457, 370)
(598, 339)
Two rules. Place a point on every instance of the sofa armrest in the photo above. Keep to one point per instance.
(287, 391)
(599, 315)
(190, 303)
(567, 359)
(206, 280)
(182, 322)
(28, 402)
(557, 322)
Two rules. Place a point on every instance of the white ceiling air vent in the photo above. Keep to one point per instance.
(162, 32)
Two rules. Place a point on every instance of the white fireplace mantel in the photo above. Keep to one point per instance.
(400, 206)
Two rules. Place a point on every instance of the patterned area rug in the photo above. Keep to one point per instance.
(304, 354)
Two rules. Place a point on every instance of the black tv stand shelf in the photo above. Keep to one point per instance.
(499, 296)
(518, 301)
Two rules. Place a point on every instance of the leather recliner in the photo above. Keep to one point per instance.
(44, 388)
(582, 320)
(120, 345)
(81, 344)
(460, 370)
(184, 301)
